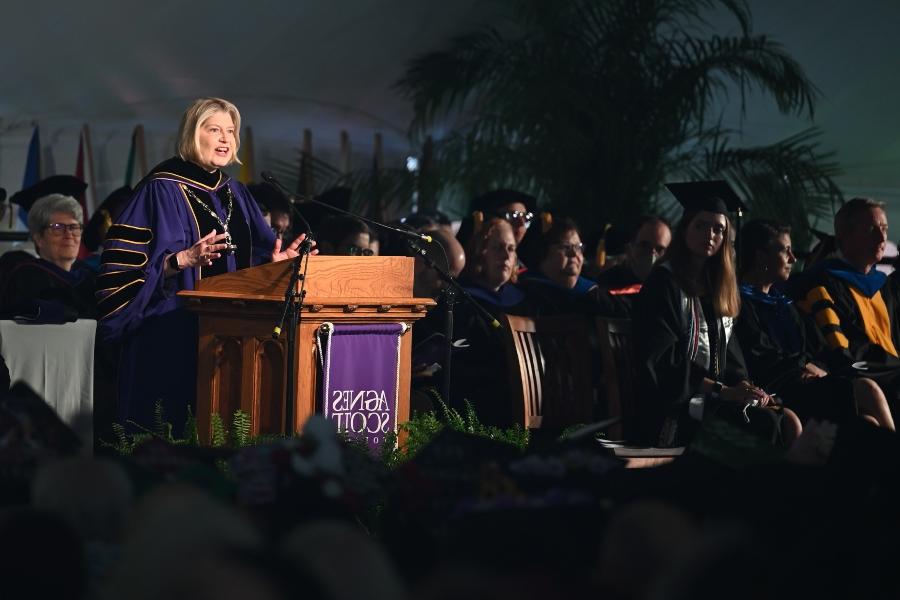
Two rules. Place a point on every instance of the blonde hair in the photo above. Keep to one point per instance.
(718, 279)
(187, 145)
(477, 245)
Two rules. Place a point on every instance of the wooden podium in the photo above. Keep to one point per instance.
(241, 366)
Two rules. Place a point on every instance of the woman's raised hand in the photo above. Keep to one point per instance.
(292, 250)
(204, 252)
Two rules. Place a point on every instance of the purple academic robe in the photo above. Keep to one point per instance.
(138, 305)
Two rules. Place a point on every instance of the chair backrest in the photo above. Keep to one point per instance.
(550, 377)
(619, 372)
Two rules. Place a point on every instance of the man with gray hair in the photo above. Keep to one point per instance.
(853, 304)
(55, 287)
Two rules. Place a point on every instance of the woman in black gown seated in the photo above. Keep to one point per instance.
(779, 345)
(689, 364)
(56, 287)
(553, 280)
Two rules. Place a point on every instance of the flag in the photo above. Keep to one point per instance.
(32, 168)
(248, 166)
(79, 173)
(137, 157)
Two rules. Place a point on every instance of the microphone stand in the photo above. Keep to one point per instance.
(412, 238)
(291, 312)
(449, 292)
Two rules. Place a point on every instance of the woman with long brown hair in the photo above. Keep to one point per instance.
(688, 360)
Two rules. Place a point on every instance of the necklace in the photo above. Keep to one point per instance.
(230, 248)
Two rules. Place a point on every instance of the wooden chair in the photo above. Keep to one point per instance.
(618, 369)
(550, 377)
(620, 375)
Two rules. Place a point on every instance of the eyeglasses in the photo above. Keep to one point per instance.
(59, 229)
(515, 215)
(571, 248)
(357, 251)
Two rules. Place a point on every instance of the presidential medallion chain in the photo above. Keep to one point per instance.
(230, 248)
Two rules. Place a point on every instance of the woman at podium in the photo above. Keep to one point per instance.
(186, 220)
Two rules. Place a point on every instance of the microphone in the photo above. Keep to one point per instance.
(268, 176)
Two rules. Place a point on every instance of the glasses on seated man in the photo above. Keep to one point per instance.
(61, 228)
(515, 215)
(571, 248)
(358, 251)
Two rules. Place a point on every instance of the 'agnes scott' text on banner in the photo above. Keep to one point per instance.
(361, 378)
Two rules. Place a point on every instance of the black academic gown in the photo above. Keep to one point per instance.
(617, 277)
(777, 342)
(620, 286)
(671, 361)
(43, 292)
(480, 370)
(4, 378)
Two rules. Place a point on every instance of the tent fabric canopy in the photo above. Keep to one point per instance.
(329, 66)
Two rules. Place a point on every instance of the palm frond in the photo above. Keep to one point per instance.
(591, 105)
(791, 180)
(702, 69)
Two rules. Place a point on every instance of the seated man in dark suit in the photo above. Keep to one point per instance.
(649, 239)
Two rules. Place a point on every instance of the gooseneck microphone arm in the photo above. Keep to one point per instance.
(269, 177)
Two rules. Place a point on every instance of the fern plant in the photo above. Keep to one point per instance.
(240, 429)
(218, 435)
(161, 427)
(191, 433)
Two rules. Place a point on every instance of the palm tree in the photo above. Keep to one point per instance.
(592, 105)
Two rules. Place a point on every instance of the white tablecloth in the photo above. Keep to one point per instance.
(56, 360)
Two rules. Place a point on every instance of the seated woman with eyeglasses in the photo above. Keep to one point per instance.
(340, 235)
(55, 287)
(554, 281)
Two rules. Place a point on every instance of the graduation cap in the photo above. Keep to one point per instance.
(715, 196)
(67, 185)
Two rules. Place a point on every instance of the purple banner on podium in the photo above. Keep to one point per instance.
(361, 378)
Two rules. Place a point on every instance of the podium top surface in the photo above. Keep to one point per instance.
(334, 277)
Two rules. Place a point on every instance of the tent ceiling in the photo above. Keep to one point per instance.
(329, 66)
